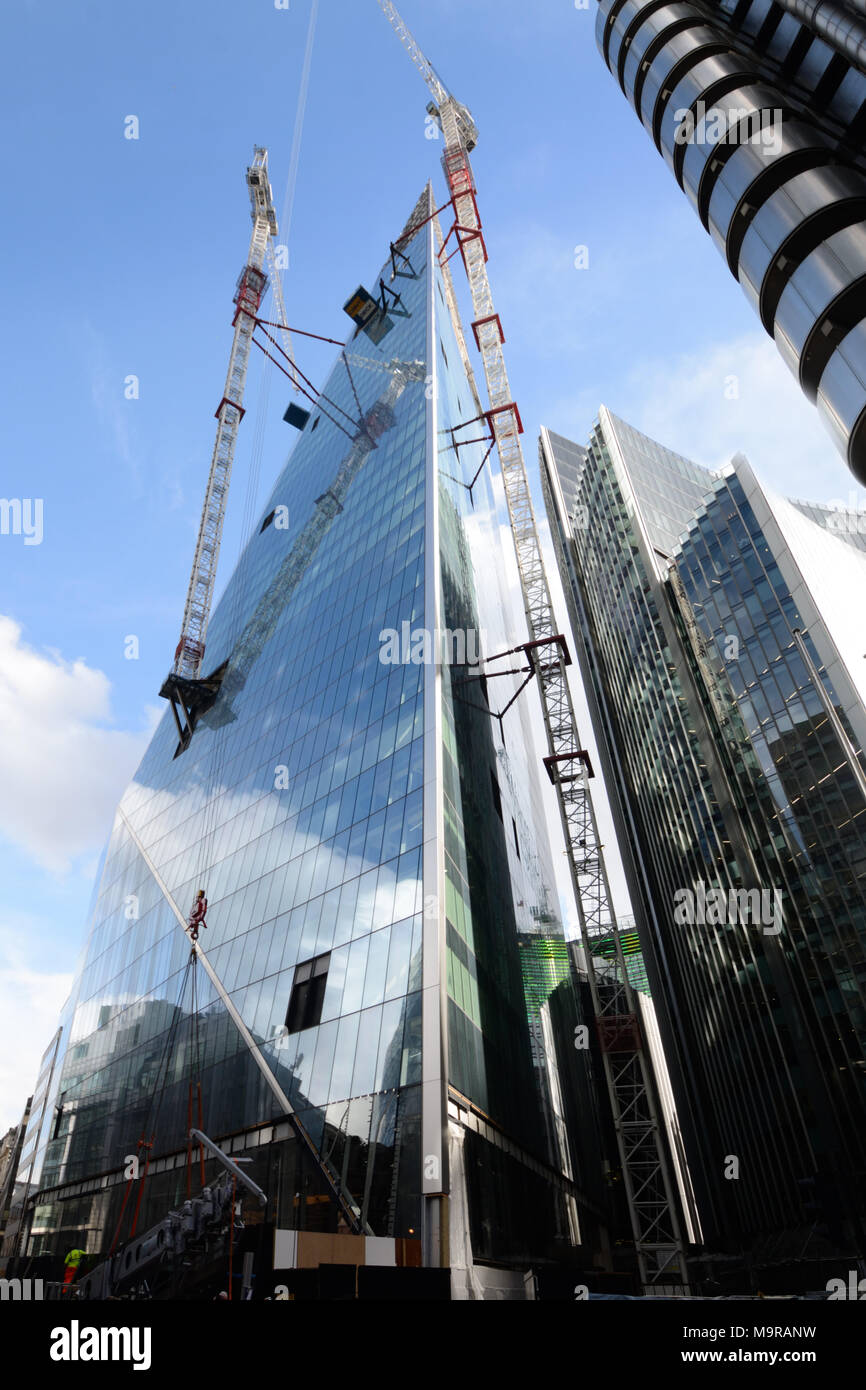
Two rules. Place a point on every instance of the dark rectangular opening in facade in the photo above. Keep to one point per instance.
(308, 994)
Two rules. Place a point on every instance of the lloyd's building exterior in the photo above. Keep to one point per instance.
(372, 849)
(758, 107)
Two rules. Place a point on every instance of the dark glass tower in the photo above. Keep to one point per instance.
(723, 671)
(374, 858)
(759, 109)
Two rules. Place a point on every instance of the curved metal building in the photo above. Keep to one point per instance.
(759, 108)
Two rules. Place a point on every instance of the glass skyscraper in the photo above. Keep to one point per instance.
(372, 1025)
(724, 675)
(759, 109)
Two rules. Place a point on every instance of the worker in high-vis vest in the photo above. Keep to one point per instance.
(72, 1261)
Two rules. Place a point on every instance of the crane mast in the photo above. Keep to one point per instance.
(631, 1089)
(249, 292)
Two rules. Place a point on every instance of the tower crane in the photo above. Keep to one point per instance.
(631, 1088)
(248, 296)
(466, 127)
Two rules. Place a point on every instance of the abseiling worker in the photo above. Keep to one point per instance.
(196, 917)
(72, 1261)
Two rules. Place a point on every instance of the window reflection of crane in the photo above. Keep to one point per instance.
(374, 423)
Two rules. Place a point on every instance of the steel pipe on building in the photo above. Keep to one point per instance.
(835, 24)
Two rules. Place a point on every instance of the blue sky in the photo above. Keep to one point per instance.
(120, 259)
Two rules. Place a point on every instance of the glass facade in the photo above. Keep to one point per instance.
(604, 948)
(807, 815)
(371, 853)
(725, 771)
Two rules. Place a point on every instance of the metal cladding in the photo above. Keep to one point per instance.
(846, 32)
(770, 156)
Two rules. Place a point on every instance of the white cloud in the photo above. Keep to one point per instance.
(30, 1003)
(62, 768)
(736, 397)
